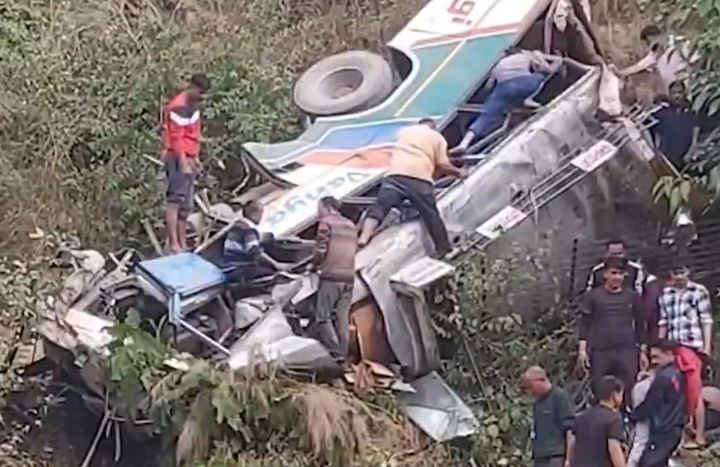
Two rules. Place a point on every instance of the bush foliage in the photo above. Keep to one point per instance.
(84, 83)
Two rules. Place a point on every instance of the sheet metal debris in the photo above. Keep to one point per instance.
(437, 410)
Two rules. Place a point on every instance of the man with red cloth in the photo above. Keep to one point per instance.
(686, 318)
(181, 151)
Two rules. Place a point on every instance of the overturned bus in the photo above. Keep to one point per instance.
(570, 163)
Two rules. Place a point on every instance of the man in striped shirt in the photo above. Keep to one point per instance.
(181, 152)
(634, 274)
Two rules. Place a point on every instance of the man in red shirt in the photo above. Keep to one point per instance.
(181, 150)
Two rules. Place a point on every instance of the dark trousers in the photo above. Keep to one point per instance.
(660, 448)
(397, 188)
(331, 322)
(621, 363)
(549, 462)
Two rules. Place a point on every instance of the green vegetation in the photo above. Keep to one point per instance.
(697, 21)
(84, 83)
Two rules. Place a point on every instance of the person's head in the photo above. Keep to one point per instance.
(662, 353)
(534, 381)
(610, 391)
(679, 273)
(676, 93)
(512, 50)
(253, 210)
(615, 247)
(328, 205)
(651, 262)
(614, 272)
(428, 122)
(653, 37)
(199, 86)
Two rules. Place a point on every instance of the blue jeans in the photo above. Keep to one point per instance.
(505, 96)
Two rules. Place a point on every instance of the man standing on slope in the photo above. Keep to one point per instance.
(181, 150)
(686, 318)
(612, 329)
(335, 258)
(420, 151)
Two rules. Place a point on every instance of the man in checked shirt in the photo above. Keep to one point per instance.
(686, 318)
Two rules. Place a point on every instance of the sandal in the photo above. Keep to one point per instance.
(694, 446)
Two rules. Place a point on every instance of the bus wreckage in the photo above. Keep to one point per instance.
(563, 164)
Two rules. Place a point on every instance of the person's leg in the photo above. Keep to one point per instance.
(523, 88)
(342, 319)
(388, 197)
(174, 199)
(626, 369)
(489, 120)
(185, 210)
(323, 329)
(422, 197)
(660, 449)
(600, 365)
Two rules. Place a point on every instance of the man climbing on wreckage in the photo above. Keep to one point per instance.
(181, 152)
(516, 78)
(334, 257)
(419, 151)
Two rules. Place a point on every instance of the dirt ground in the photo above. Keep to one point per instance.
(59, 434)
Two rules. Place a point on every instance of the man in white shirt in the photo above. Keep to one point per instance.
(669, 61)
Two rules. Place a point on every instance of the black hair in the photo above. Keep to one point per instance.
(615, 263)
(252, 207)
(330, 202)
(608, 386)
(678, 264)
(426, 121)
(200, 81)
(649, 31)
(615, 241)
(651, 261)
(665, 345)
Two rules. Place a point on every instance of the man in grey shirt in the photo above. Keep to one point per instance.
(517, 77)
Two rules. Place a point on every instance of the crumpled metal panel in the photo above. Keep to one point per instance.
(437, 410)
(271, 340)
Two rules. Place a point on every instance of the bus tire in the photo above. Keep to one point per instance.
(344, 83)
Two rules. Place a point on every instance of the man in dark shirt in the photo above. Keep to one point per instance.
(634, 274)
(664, 407)
(243, 246)
(599, 430)
(552, 419)
(678, 129)
(612, 329)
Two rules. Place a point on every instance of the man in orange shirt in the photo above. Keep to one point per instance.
(181, 150)
(420, 151)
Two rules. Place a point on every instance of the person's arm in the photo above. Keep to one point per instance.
(653, 399)
(705, 312)
(641, 331)
(566, 419)
(693, 143)
(442, 161)
(591, 279)
(322, 240)
(640, 280)
(617, 455)
(586, 310)
(615, 440)
(645, 63)
(662, 322)
(267, 259)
